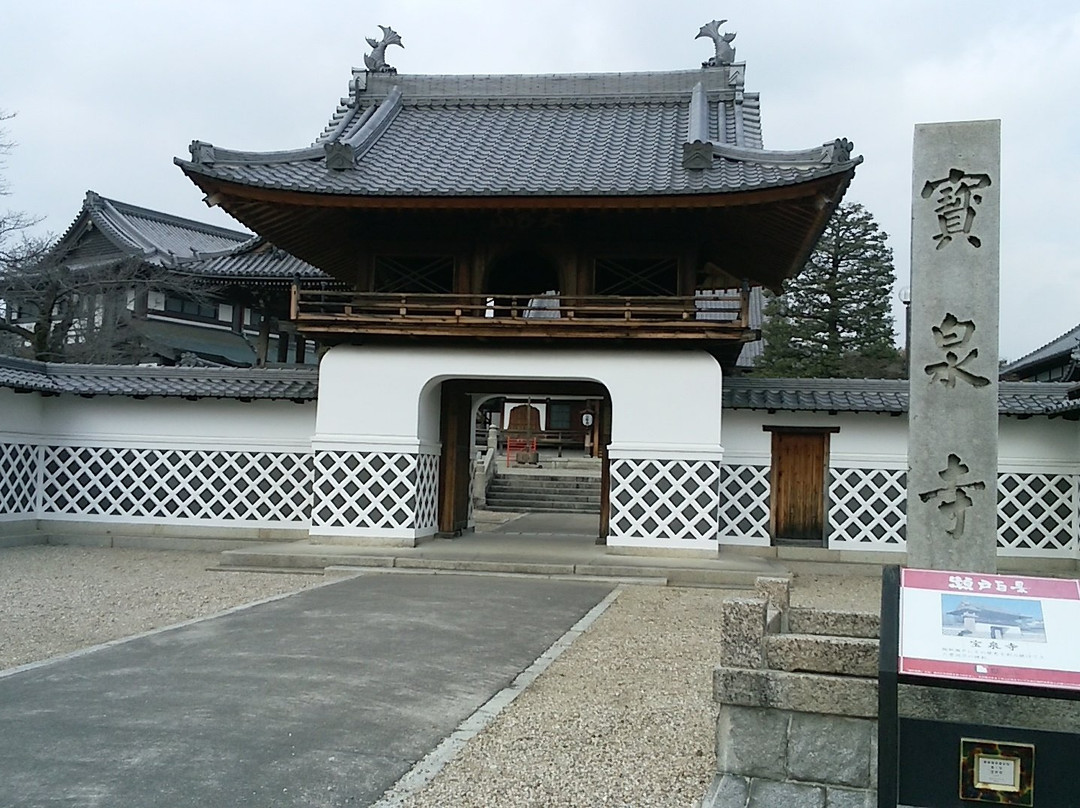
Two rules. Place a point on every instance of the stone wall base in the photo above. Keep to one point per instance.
(734, 791)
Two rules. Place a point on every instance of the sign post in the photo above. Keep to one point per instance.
(976, 640)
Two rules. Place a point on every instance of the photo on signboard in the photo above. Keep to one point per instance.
(992, 618)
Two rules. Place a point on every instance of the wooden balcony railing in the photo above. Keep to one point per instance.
(318, 310)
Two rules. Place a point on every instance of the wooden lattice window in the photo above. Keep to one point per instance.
(637, 276)
(414, 273)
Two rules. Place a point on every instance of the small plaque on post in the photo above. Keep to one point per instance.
(997, 773)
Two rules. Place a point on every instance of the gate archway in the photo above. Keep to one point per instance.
(379, 438)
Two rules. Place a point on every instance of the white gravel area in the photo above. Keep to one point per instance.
(624, 718)
(58, 599)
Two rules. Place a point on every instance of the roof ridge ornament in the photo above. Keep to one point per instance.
(376, 60)
(725, 54)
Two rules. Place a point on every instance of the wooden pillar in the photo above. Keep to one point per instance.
(603, 441)
(454, 482)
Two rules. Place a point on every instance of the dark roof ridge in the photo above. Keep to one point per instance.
(366, 84)
(1069, 340)
(817, 384)
(60, 369)
(296, 382)
(128, 209)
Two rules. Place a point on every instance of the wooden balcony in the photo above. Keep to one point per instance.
(334, 314)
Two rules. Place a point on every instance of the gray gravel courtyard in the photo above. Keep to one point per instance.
(624, 717)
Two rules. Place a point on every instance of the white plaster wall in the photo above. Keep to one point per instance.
(869, 440)
(865, 440)
(1039, 444)
(20, 416)
(178, 423)
(664, 404)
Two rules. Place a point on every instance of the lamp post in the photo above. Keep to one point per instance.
(904, 294)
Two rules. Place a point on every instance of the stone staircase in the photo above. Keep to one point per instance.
(544, 493)
(797, 690)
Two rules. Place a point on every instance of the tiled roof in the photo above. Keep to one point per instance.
(1062, 346)
(187, 245)
(255, 258)
(584, 135)
(299, 383)
(876, 395)
(154, 236)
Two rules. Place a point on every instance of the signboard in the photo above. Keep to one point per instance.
(1005, 629)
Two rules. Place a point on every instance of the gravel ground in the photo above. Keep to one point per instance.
(58, 599)
(624, 718)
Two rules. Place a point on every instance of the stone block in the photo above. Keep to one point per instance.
(849, 798)
(751, 741)
(830, 749)
(776, 591)
(774, 621)
(874, 758)
(771, 794)
(740, 686)
(727, 791)
(800, 692)
(850, 656)
(742, 622)
(803, 620)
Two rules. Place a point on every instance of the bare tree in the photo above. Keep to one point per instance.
(61, 312)
(13, 223)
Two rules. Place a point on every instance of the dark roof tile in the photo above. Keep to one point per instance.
(298, 383)
(877, 395)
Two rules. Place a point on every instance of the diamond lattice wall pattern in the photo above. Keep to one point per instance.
(868, 507)
(18, 480)
(665, 499)
(388, 490)
(744, 502)
(1037, 512)
(176, 484)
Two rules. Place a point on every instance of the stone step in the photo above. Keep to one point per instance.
(524, 482)
(568, 490)
(527, 482)
(544, 507)
(278, 560)
(834, 624)
(544, 496)
(814, 653)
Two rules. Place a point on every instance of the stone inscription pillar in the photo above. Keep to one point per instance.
(953, 416)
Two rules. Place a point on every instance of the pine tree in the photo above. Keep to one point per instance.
(833, 319)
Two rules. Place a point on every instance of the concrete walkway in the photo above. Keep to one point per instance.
(322, 698)
(550, 544)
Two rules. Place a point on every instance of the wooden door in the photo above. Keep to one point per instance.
(799, 463)
(455, 483)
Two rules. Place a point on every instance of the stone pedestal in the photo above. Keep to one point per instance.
(798, 711)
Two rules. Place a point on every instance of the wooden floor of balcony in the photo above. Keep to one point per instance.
(325, 313)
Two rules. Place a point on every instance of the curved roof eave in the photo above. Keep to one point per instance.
(212, 183)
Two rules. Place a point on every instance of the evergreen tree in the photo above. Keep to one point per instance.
(833, 320)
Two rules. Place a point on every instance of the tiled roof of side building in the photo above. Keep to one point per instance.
(876, 395)
(149, 234)
(574, 135)
(298, 383)
(1062, 346)
(183, 244)
(255, 258)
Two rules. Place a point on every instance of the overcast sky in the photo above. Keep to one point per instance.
(108, 92)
